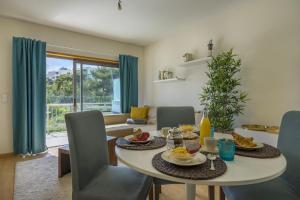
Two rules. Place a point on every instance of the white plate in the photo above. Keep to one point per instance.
(258, 146)
(198, 159)
(128, 137)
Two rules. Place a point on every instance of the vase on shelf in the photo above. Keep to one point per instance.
(210, 48)
(187, 57)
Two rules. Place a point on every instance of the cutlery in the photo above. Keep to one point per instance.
(211, 157)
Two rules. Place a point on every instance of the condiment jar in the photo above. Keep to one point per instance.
(174, 138)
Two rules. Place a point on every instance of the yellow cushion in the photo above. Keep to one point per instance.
(139, 112)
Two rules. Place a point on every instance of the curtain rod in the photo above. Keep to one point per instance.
(81, 50)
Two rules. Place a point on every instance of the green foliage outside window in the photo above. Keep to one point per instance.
(97, 88)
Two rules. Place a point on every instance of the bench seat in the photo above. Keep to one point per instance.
(123, 129)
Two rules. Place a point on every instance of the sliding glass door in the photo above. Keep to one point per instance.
(75, 86)
(59, 93)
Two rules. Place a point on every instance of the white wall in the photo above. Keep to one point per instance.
(9, 27)
(265, 34)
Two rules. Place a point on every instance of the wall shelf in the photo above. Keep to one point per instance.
(195, 62)
(169, 80)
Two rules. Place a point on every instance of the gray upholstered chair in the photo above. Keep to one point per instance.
(92, 177)
(171, 117)
(174, 116)
(287, 186)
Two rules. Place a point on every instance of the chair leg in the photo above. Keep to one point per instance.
(157, 190)
(211, 192)
(222, 195)
(151, 193)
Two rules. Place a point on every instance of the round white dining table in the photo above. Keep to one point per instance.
(240, 171)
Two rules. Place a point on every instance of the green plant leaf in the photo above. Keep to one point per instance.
(222, 96)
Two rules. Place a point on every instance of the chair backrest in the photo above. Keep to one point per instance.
(88, 146)
(174, 116)
(289, 145)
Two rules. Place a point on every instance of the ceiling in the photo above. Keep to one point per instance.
(140, 22)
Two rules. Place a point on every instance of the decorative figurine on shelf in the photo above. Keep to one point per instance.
(161, 75)
(210, 48)
(164, 74)
(187, 57)
(168, 75)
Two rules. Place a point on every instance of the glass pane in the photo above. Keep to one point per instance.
(59, 93)
(100, 88)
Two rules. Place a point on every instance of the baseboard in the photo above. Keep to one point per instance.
(6, 155)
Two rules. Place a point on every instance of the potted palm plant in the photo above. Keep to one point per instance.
(222, 97)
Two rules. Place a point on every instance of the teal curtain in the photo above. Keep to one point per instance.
(128, 82)
(29, 95)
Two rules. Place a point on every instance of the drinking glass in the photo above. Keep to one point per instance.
(226, 149)
(210, 143)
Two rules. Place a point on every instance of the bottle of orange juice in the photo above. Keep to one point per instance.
(204, 127)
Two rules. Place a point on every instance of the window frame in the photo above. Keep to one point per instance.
(79, 58)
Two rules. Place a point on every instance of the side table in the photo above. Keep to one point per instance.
(64, 165)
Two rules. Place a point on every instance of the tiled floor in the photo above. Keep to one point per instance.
(57, 139)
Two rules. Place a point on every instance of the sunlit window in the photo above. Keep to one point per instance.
(74, 86)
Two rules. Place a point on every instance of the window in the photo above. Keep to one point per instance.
(97, 88)
(75, 85)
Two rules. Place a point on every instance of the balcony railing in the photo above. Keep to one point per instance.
(56, 111)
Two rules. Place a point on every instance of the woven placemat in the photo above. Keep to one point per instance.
(198, 172)
(267, 151)
(156, 143)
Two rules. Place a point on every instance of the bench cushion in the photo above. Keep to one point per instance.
(136, 121)
(124, 126)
